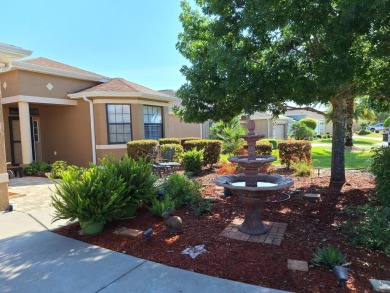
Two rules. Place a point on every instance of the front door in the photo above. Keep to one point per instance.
(16, 143)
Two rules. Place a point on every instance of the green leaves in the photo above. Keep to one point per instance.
(329, 256)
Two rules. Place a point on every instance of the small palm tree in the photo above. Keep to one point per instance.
(357, 108)
(229, 132)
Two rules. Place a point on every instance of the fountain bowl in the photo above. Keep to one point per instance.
(266, 182)
(258, 160)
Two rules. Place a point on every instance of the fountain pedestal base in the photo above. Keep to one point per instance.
(252, 225)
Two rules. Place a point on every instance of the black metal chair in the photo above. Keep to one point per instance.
(167, 162)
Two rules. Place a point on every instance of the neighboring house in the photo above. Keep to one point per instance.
(180, 129)
(53, 111)
(321, 128)
(269, 126)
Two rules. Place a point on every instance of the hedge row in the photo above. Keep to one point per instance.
(141, 148)
(262, 148)
(178, 156)
(175, 140)
(212, 149)
(291, 151)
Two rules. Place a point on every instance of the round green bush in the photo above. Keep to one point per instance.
(309, 122)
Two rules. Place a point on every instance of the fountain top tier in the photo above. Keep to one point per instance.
(251, 161)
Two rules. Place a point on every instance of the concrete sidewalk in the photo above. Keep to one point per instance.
(33, 259)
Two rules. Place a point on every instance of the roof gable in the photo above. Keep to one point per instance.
(44, 62)
(122, 85)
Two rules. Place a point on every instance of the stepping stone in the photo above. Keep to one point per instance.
(380, 285)
(313, 197)
(210, 199)
(132, 233)
(297, 265)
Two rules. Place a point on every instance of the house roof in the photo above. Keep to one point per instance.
(119, 87)
(47, 66)
(9, 53)
(306, 113)
(268, 116)
(41, 61)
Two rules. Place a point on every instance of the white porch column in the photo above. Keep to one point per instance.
(25, 132)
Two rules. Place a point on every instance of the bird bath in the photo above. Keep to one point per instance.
(251, 186)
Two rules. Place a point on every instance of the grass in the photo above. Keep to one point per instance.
(357, 141)
(322, 157)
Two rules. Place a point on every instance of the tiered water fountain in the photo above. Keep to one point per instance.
(253, 187)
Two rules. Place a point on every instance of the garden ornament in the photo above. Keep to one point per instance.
(174, 224)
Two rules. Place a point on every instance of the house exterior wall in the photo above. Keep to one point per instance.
(65, 131)
(66, 134)
(180, 129)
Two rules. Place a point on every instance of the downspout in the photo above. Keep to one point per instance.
(92, 118)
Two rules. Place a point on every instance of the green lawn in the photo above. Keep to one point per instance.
(357, 141)
(321, 158)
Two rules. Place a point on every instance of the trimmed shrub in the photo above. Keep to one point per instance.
(141, 148)
(291, 151)
(263, 148)
(380, 167)
(211, 149)
(184, 139)
(363, 132)
(178, 157)
(301, 132)
(58, 168)
(193, 161)
(274, 142)
(169, 140)
(309, 122)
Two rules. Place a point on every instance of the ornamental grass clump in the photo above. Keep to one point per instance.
(137, 176)
(89, 195)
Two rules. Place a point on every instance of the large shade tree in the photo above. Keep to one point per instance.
(254, 55)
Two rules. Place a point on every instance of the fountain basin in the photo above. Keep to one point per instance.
(252, 197)
(236, 183)
(257, 161)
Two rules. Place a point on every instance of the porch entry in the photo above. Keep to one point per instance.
(15, 139)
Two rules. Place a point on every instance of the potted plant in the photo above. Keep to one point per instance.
(94, 196)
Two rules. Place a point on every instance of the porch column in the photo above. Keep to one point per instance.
(25, 132)
(4, 202)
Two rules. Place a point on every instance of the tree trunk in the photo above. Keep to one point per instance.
(339, 104)
(349, 122)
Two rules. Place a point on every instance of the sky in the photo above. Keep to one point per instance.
(133, 39)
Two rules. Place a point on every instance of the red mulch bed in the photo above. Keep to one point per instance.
(310, 226)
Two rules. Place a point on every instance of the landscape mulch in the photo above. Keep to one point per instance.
(311, 225)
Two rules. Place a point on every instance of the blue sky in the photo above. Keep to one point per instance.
(133, 39)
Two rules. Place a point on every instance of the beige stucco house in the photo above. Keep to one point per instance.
(322, 128)
(8, 54)
(181, 129)
(53, 111)
(269, 126)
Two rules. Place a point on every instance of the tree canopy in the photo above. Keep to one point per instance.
(253, 55)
